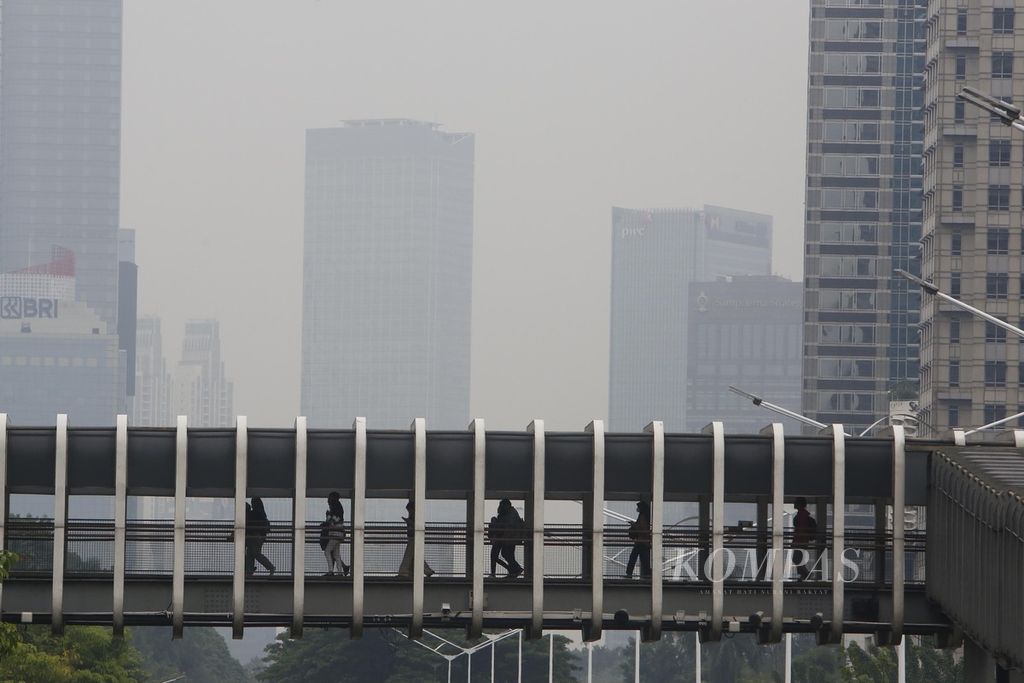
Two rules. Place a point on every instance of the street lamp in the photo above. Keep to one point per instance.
(1007, 113)
(758, 401)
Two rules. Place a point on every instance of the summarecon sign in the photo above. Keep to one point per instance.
(20, 307)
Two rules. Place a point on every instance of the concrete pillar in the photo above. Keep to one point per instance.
(978, 665)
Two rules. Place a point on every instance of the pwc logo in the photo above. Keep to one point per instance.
(20, 307)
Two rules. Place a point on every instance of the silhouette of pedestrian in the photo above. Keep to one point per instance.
(405, 570)
(505, 532)
(257, 526)
(640, 534)
(804, 529)
(334, 528)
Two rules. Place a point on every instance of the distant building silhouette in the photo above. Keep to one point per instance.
(200, 389)
(152, 404)
(387, 274)
(656, 254)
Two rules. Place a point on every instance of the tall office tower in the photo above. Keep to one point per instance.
(744, 332)
(200, 389)
(60, 140)
(127, 305)
(56, 354)
(152, 404)
(387, 274)
(863, 204)
(970, 374)
(656, 254)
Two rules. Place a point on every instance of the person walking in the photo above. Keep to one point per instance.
(505, 532)
(640, 534)
(257, 526)
(804, 529)
(405, 569)
(334, 525)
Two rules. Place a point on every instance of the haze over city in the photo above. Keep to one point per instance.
(576, 107)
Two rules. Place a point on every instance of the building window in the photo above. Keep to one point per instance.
(961, 21)
(996, 285)
(999, 153)
(995, 373)
(956, 244)
(1002, 65)
(954, 373)
(958, 198)
(958, 156)
(998, 197)
(998, 241)
(994, 412)
(994, 334)
(954, 284)
(954, 331)
(959, 112)
(961, 67)
(953, 413)
(1002, 20)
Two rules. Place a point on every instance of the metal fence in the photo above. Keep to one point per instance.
(209, 551)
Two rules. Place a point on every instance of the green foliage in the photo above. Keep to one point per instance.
(201, 654)
(85, 654)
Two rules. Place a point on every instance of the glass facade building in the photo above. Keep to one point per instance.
(972, 372)
(743, 332)
(656, 254)
(863, 207)
(60, 140)
(387, 275)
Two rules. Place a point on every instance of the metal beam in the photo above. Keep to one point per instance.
(358, 526)
(597, 532)
(60, 522)
(299, 529)
(717, 432)
(178, 575)
(120, 526)
(778, 552)
(536, 629)
(657, 432)
(476, 504)
(3, 490)
(419, 429)
(838, 528)
(241, 481)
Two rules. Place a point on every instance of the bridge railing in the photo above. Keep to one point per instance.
(209, 551)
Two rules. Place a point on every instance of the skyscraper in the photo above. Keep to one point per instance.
(387, 274)
(864, 140)
(60, 140)
(971, 373)
(151, 406)
(200, 388)
(656, 254)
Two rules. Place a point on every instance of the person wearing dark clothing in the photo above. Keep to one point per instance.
(640, 534)
(804, 528)
(334, 525)
(257, 526)
(405, 570)
(505, 532)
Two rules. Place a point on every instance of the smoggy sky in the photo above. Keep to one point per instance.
(577, 105)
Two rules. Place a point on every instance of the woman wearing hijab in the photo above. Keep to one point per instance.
(405, 570)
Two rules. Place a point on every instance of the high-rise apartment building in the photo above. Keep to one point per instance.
(656, 254)
(60, 141)
(387, 274)
(743, 332)
(971, 373)
(151, 406)
(863, 207)
(200, 388)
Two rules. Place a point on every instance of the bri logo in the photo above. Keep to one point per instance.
(18, 307)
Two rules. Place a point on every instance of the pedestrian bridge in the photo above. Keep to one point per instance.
(902, 543)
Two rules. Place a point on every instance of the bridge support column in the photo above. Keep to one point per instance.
(475, 559)
(979, 666)
(595, 539)
(762, 538)
(60, 523)
(535, 522)
(657, 431)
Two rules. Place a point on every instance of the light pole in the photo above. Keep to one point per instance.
(1007, 113)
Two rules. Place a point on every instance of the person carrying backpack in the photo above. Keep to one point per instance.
(332, 535)
(640, 534)
(257, 526)
(508, 532)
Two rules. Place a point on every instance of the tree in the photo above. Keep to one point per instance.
(84, 654)
(201, 654)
